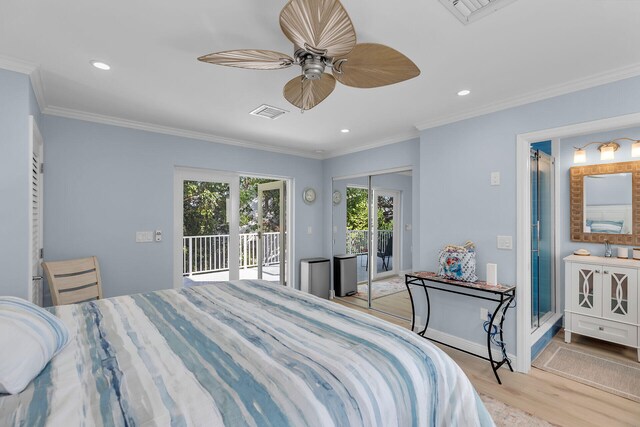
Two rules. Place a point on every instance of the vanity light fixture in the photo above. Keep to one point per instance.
(579, 156)
(607, 150)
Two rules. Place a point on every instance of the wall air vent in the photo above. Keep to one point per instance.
(468, 11)
(268, 112)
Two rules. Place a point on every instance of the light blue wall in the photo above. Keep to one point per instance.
(457, 203)
(15, 95)
(103, 183)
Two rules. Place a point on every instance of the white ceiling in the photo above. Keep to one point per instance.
(528, 50)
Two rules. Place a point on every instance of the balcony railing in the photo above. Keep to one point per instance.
(358, 241)
(208, 254)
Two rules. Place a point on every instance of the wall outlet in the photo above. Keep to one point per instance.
(484, 314)
(309, 230)
(495, 178)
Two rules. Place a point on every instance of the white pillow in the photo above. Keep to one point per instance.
(29, 337)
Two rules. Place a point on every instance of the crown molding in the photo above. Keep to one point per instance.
(166, 130)
(38, 88)
(401, 137)
(17, 65)
(32, 70)
(528, 98)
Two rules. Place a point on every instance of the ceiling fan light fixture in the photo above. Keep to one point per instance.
(323, 37)
(100, 65)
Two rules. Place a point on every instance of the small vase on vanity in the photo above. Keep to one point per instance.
(602, 298)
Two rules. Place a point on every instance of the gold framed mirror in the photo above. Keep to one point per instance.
(615, 218)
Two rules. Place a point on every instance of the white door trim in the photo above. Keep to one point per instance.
(193, 174)
(523, 254)
(36, 144)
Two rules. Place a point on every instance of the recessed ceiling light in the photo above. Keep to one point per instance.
(464, 92)
(101, 65)
(345, 130)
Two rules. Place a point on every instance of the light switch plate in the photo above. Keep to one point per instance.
(309, 230)
(144, 236)
(158, 235)
(505, 242)
(495, 178)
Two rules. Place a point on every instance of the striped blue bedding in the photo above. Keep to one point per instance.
(241, 353)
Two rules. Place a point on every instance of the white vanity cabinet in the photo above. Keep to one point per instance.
(602, 300)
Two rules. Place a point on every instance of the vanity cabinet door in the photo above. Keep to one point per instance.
(586, 294)
(620, 294)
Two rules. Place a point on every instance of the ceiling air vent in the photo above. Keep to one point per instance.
(268, 112)
(468, 11)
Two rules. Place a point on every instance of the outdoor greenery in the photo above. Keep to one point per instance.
(205, 207)
(357, 212)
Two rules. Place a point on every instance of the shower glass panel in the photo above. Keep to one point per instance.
(542, 238)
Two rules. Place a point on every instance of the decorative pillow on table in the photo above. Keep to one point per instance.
(29, 338)
(458, 262)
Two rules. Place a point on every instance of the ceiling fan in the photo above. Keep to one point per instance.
(323, 37)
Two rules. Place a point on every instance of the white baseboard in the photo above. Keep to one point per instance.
(470, 346)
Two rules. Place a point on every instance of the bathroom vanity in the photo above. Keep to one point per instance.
(602, 299)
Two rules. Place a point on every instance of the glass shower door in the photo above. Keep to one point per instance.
(542, 238)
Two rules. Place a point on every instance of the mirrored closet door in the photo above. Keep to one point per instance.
(372, 240)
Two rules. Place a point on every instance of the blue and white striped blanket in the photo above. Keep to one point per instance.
(241, 353)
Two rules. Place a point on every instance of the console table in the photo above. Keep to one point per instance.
(503, 295)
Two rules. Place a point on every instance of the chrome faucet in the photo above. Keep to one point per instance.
(607, 249)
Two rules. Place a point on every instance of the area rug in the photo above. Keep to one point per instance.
(382, 288)
(615, 376)
(504, 415)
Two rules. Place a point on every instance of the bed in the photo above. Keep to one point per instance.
(241, 353)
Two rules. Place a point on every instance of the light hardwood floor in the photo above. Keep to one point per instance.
(555, 399)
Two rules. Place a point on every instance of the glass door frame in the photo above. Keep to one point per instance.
(395, 241)
(233, 179)
(536, 156)
(233, 215)
(279, 186)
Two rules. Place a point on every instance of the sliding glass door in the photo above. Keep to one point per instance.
(209, 214)
(229, 227)
(272, 231)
